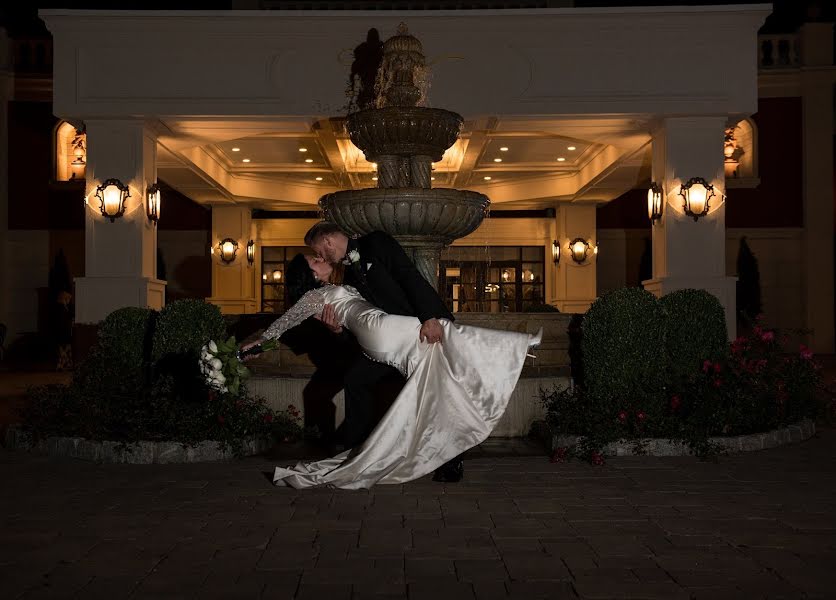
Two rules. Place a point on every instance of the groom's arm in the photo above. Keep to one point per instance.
(424, 299)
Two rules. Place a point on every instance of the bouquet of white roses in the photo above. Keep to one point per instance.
(221, 368)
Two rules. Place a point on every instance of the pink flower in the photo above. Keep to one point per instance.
(675, 402)
(717, 367)
(597, 458)
(717, 382)
(559, 455)
(622, 416)
(641, 416)
(768, 336)
(268, 417)
(706, 366)
(806, 353)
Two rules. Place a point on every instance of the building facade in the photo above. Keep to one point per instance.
(570, 115)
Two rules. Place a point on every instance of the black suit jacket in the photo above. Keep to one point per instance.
(392, 282)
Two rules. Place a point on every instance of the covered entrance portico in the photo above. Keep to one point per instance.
(565, 109)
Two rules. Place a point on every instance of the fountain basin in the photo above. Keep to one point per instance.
(404, 131)
(414, 216)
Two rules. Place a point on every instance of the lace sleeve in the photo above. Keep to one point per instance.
(309, 304)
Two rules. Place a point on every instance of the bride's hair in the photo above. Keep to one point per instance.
(299, 278)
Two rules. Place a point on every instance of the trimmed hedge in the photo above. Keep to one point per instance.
(623, 346)
(695, 330)
(185, 326)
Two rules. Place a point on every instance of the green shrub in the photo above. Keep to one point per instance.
(184, 326)
(623, 347)
(125, 338)
(695, 330)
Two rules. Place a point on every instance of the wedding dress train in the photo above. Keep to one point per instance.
(454, 396)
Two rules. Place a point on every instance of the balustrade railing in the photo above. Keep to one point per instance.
(779, 51)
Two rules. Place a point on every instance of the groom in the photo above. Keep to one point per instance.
(377, 266)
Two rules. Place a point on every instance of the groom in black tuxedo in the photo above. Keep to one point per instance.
(377, 266)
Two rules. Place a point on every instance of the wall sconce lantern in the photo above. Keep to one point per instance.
(112, 195)
(277, 276)
(579, 248)
(153, 206)
(251, 252)
(654, 202)
(78, 165)
(228, 248)
(697, 194)
(556, 252)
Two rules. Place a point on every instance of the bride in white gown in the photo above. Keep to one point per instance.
(455, 392)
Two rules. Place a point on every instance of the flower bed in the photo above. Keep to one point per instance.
(662, 370)
(145, 387)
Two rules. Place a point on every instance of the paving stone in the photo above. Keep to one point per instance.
(480, 570)
(602, 588)
(433, 590)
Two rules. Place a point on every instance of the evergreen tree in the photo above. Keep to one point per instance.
(748, 285)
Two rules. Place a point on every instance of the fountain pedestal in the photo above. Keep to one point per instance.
(404, 140)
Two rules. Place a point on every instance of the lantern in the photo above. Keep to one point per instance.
(153, 206)
(697, 194)
(112, 195)
(228, 248)
(251, 252)
(579, 248)
(654, 202)
(556, 252)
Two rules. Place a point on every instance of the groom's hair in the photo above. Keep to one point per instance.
(320, 230)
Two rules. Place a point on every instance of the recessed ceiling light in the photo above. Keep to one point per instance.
(497, 160)
(246, 160)
(504, 149)
(486, 178)
(308, 160)
(432, 178)
(319, 178)
(560, 159)
(236, 149)
(570, 148)
(303, 149)
(374, 178)
(374, 165)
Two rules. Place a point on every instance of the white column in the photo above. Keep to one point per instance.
(576, 282)
(233, 284)
(688, 253)
(817, 107)
(120, 257)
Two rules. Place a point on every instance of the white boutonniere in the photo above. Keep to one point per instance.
(352, 257)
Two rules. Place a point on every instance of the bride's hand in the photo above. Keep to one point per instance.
(431, 331)
(328, 316)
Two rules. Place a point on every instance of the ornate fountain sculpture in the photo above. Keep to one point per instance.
(404, 139)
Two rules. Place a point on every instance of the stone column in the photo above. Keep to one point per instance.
(576, 282)
(233, 284)
(688, 253)
(120, 257)
(817, 111)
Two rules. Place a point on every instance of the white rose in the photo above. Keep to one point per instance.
(224, 390)
(213, 347)
(204, 354)
(354, 256)
(216, 363)
(220, 378)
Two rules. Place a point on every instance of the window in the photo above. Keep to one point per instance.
(70, 153)
(492, 279)
(274, 261)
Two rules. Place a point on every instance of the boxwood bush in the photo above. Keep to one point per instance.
(695, 330)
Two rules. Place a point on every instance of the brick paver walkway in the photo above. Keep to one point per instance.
(749, 526)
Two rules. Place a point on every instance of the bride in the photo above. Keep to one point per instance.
(455, 392)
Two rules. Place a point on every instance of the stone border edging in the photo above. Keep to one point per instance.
(138, 453)
(798, 432)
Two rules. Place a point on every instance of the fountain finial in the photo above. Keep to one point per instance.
(402, 71)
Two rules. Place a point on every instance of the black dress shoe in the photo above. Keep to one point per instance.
(450, 472)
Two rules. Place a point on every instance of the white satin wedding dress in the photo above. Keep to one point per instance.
(454, 395)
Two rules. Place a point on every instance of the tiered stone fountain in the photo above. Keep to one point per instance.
(404, 139)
